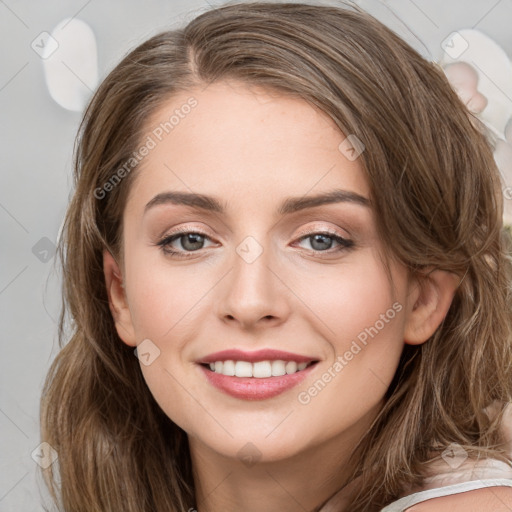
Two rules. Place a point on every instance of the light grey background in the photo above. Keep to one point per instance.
(36, 137)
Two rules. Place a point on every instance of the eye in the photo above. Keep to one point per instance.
(190, 241)
(322, 241)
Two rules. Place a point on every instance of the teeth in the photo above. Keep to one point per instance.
(260, 369)
(242, 368)
(228, 368)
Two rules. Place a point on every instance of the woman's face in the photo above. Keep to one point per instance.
(272, 269)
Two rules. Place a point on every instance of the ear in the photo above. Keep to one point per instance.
(117, 299)
(428, 304)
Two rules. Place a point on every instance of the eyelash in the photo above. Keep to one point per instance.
(345, 244)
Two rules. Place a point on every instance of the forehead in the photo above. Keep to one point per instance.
(245, 144)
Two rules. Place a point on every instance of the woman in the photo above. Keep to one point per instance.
(289, 217)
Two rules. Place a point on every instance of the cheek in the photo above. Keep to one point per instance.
(165, 297)
(167, 304)
(352, 298)
(364, 326)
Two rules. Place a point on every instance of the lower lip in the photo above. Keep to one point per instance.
(252, 388)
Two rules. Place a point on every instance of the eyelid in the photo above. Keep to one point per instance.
(320, 229)
(182, 230)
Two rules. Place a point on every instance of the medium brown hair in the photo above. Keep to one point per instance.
(438, 204)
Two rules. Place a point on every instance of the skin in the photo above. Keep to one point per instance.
(252, 149)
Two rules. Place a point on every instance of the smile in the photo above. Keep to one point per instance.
(252, 387)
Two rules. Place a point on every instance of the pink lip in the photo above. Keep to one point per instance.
(253, 357)
(252, 388)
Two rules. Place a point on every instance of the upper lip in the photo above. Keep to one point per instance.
(258, 355)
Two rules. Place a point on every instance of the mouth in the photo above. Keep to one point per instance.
(255, 375)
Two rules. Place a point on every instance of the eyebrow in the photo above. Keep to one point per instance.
(289, 205)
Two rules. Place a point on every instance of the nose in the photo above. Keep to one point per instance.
(254, 293)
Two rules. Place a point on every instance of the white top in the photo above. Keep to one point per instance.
(452, 474)
(403, 504)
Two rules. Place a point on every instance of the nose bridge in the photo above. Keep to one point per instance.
(252, 291)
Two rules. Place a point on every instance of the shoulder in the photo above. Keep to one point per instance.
(495, 499)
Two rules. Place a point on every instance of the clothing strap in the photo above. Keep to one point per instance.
(404, 503)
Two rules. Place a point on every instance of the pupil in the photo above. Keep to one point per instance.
(318, 238)
(194, 238)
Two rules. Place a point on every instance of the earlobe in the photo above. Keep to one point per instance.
(430, 302)
(117, 299)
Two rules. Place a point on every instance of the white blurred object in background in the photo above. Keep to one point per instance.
(71, 64)
(481, 73)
